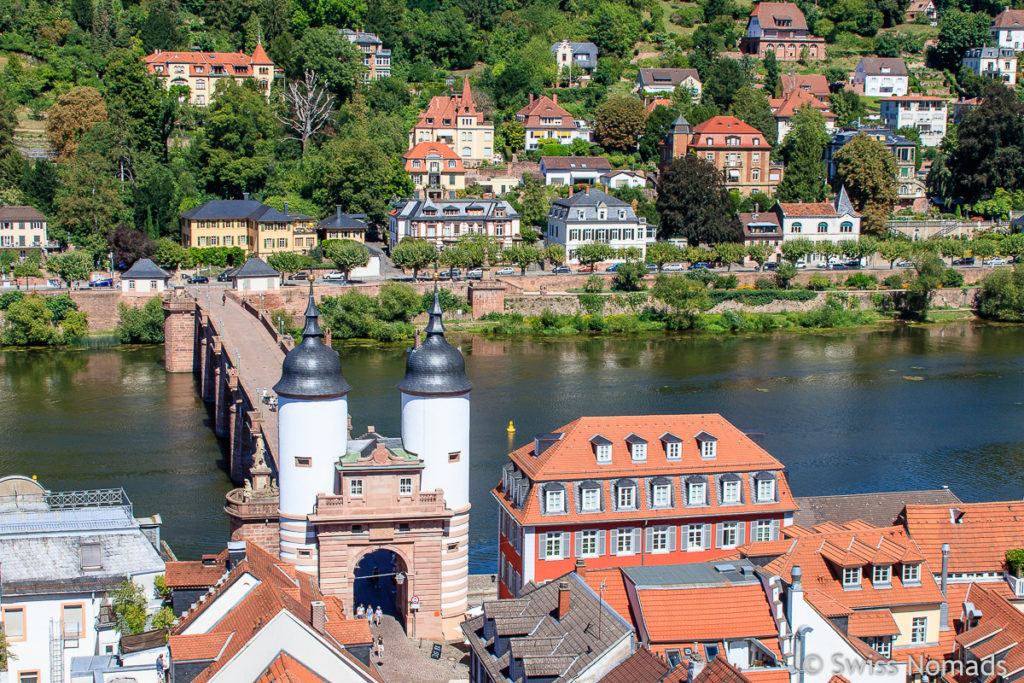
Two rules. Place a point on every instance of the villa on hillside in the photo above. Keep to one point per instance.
(436, 170)
(376, 58)
(882, 76)
(455, 121)
(780, 27)
(593, 215)
(579, 59)
(443, 222)
(200, 71)
(925, 113)
(255, 227)
(652, 84)
(1008, 29)
(545, 121)
(999, 63)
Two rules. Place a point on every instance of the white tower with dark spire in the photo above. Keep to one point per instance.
(312, 423)
(435, 427)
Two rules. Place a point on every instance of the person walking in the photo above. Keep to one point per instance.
(160, 668)
(380, 648)
(376, 615)
(360, 612)
(224, 299)
(369, 615)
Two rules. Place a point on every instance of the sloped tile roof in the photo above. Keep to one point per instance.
(816, 84)
(198, 646)
(880, 509)
(544, 107)
(1000, 629)
(720, 127)
(873, 66)
(674, 77)
(20, 213)
(706, 614)
(1009, 19)
(196, 573)
(640, 667)
(810, 209)
(767, 675)
(720, 671)
(610, 584)
(789, 105)
(876, 622)
(979, 534)
(768, 14)
(287, 669)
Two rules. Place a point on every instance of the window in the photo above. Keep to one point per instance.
(756, 157)
(588, 543)
(695, 537)
(674, 658)
(303, 462)
(639, 451)
(851, 577)
(624, 542)
(763, 530)
(918, 629)
(730, 534)
(881, 575)
(798, 227)
(882, 645)
(405, 486)
(200, 84)
(591, 499)
(282, 242)
(911, 573)
(662, 497)
(846, 226)
(822, 227)
(553, 546)
(695, 493)
(765, 490)
(554, 501)
(755, 174)
(730, 492)
(28, 677)
(92, 556)
(627, 497)
(707, 449)
(355, 488)
(659, 540)
(674, 451)
(14, 623)
(757, 142)
(268, 243)
(131, 284)
(454, 456)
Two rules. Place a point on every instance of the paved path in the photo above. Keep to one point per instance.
(252, 350)
(408, 661)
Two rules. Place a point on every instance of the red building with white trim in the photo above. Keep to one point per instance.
(635, 490)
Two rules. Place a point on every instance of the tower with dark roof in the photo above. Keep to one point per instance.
(312, 418)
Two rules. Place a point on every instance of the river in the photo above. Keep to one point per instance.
(854, 411)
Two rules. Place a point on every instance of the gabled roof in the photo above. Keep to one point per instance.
(999, 630)
(808, 210)
(338, 220)
(872, 622)
(790, 104)
(721, 127)
(873, 66)
(815, 84)
(979, 534)
(544, 107)
(576, 163)
(880, 509)
(287, 669)
(721, 671)
(769, 13)
(643, 666)
(145, 269)
(20, 213)
(1009, 19)
(444, 110)
(424, 150)
(253, 267)
(673, 77)
(591, 197)
(196, 573)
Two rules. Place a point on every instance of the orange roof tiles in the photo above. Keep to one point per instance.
(838, 679)
(1000, 629)
(640, 667)
(1009, 18)
(658, 102)
(720, 671)
(196, 574)
(718, 128)
(815, 84)
(234, 63)
(610, 584)
(197, 646)
(979, 534)
(790, 104)
(443, 109)
(814, 209)
(675, 615)
(826, 605)
(286, 669)
(874, 622)
(544, 107)
(768, 12)
(432, 150)
(767, 675)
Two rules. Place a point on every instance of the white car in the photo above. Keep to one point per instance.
(507, 270)
(672, 268)
(905, 264)
(995, 261)
(334, 276)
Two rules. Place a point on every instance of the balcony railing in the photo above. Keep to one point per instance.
(237, 506)
(66, 500)
(1016, 584)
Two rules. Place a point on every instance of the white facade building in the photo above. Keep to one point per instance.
(62, 553)
(617, 179)
(882, 76)
(254, 276)
(572, 170)
(144, 279)
(596, 216)
(999, 63)
(445, 221)
(925, 113)
(1008, 29)
(22, 228)
(819, 222)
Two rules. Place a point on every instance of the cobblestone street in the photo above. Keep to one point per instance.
(408, 661)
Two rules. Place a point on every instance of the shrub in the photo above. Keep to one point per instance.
(141, 325)
(819, 283)
(8, 298)
(725, 282)
(861, 281)
(765, 283)
(952, 278)
(595, 283)
(592, 303)
(893, 282)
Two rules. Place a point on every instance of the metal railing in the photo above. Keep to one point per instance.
(65, 500)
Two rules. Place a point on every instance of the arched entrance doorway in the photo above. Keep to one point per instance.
(381, 580)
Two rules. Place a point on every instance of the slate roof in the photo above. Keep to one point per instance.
(873, 66)
(990, 53)
(339, 220)
(979, 534)
(884, 135)
(254, 267)
(361, 36)
(546, 645)
(880, 509)
(576, 163)
(220, 209)
(588, 49)
(413, 209)
(20, 213)
(673, 77)
(145, 269)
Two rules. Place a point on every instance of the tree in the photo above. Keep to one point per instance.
(7, 258)
(759, 252)
(592, 253)
(169, 253)
(8, 123)
(310, 108)
(771, 73)
(724, 80)
(619, 121)
(693, 203)
(414, 253)
(88, 204)
(514, 134)
(1002, 295)
(39, 184)
(893, 250)
(526, 69)
(930, 275)
(752, 107)
(959, 31)
(868, 170)
(141, 324)
(359, 175)
(847, 107)
(333, 58)
(238, 139)
(286, 262)
(803, 150)
(614, 28)
(129, 245)
(555, 253)
(138, 104)
(70, 266)
(72, 116)
(629, 276)
(162, 29)
(346, 255)
(129, 600)
(523, 256)
(661, 253)
(685, 296)
(785, 274)
(989, 150)
(656, 127)
(730, 253)
(794, 250)
(42, 321)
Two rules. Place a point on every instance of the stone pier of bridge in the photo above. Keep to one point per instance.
(232, 347)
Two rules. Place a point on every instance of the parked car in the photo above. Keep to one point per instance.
(561, 270)
(904, 264)
(475, 273)
(838, 266)
(449, 274)
(336, 275)
(995, 261)
(105, 282)
(298, 276)
(672, 268)
(507, 270)
(853, 264)
(223, 277)
(700, 265)
(612, 268)
(800, 264)
(195, 280)
(771, 265)
(964, 261)
(585, 269)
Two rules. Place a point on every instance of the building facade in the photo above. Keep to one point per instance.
(455, 121)
(780, 27)
(200, 72)
(254, 276)
(738, 150)
(813, 84)
(628, 491)
(911, 187)
(445, 221)
(22, 228)
(652, 84)
(882, 76)
(925, 113)
(342, 226)
(998, 63)
(786, 107)
(834, 222)
(257, 228)
(63, 551)
(594, 216)
(573, 170)
(925, 9)
(545, 122)
(1008, 29)
(145, 279)
(436, 170)
(575, 60)
(376, 58)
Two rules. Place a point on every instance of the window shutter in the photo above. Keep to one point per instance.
(671, 539)
(566, 552)
(707, 536)
(741, 531)
(615, 543)
(600, 542)
(719, 531)
(775, 529)
(637, 538)
(579, 544)
(649, 539)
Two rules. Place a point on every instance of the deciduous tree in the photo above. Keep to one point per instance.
(661, 253)
(346, 255)
(694, 203)
(414, 253)
(959, 31)
(70, 266)
(72, 116)
(752, 107)
(309, 108)
(619, 121)
(592, 253)
(989, 153)
(868, 170)
(803, 150)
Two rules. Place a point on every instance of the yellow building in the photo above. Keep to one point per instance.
(455, 121)
(258, 229)
(201, 71)
(436, 170)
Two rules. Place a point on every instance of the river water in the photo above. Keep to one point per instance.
(893, 409)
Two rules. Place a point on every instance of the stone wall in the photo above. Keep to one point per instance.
(101, 307)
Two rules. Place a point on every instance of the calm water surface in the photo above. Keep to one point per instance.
(904, 408)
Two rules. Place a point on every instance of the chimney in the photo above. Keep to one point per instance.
(531, 98)
(318, 615)
(236, 552)
(796, 591)
(554, 98)
(796, 574)
(285, 208)
(581, 568)
(563, 599)
(370, 429)
(944, 607)
(571, 188)
(337, 212)
(245, 196)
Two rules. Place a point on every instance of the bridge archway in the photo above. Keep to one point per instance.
(381, 579)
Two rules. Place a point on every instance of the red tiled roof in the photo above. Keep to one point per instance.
(613, 591)
(979, 534)
(873, 622)
(838, 679)
(1000, 629)
(816, 84)
(810, 209)
(432, 150)
(286, 669)
(658, 102)
(447, 107)
(239, 62)
(720, 671)
(768, 13)
(197, 646)
(767, 675)
(544, 107)
(1009, 18)
(676, 615)
(640, 667)
(718, 128)
(825, 604)
(790, 104)
(197, 573)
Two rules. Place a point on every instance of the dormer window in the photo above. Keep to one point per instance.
(696, 491)
(881, 575)
(731, 490)
(765, 490)
(708, 445)
(625, 495)
(554, 501)
(673, 446)
(602, 448)
(912, 573)
(542, 442)
(661, 495)
(757, 142)
(590, 497)
(709, 141)
(851, 577)
(637, 447)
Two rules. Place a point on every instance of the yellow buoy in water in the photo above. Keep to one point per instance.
(511, 428)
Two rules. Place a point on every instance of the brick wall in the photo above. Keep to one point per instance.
(101, 307)
(263, 534)
(486, 297)
(179, 339)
